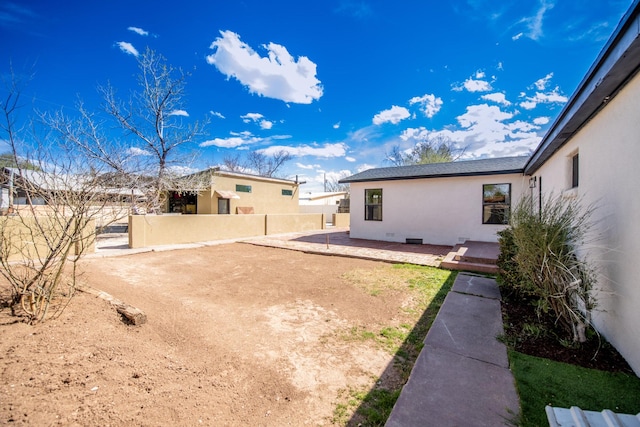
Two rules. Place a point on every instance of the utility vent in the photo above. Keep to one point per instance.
(414, 241)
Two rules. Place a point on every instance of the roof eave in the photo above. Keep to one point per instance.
(444, 175)
(615, 66)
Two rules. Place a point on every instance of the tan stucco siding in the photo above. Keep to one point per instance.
(609, 151)
(443, 211)
(265, 196)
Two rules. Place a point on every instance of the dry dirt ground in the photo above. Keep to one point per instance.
(236, 335)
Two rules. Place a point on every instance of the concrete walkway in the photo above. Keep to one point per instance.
(462, 375)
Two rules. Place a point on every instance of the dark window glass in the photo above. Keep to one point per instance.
(287, 192)
(373, 205)
(223, 206)
(496, 203)
(574, 171)
(243, 188)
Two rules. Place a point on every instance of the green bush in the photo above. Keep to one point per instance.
(539, 259)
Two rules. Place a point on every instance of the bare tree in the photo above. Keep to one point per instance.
(333, 183)
(439, 149)
(154, 149)
(57, 197)
(233, 163)
(265, 165)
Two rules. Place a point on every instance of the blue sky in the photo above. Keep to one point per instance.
(336, 83)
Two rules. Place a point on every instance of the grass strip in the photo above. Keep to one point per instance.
(542, 382)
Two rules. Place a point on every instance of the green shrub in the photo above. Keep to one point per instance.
(539, 259)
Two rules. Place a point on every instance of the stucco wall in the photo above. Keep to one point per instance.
(341, 219)
(295, 222)
(442, 211)
(265, 196)
(152, 230)
(609, 150)
(26, 242)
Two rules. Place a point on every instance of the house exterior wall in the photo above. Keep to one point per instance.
(265, 196)
(441, 211)
(608, 177)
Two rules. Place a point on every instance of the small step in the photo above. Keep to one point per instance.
(480, 257)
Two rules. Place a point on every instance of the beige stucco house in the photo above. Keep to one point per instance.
(238, 193)
(591, 151)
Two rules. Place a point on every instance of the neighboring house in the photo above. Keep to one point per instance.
(238, 193)
(591, 151)
(326, 202)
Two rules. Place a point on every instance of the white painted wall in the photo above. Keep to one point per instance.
(441, 211)
(609, 153)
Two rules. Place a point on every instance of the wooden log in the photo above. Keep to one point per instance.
(134, 315)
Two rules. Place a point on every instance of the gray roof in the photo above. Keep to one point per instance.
(616, 64)
(494, 166)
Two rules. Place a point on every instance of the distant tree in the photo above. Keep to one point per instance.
(233, 163)
(333, 185)
(439, 149)
(265, 165)
(8, 160)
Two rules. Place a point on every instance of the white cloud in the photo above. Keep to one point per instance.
(277, 75)
(127, 47)
(251, 117)
(308, 167)
(484, 131)
(534, 23)
(350, 159)
(139, 31)
(363, 167)
(182, 113)
(135, 151)
(231, 142)
(257, 118)
(497, 97)
(541, 84)
(477, 85)
(393, 115)
(216, 114)
(336, 126)
(517, 36)
(553, 97)
(429, 104)
(541, 120)
(325, 151)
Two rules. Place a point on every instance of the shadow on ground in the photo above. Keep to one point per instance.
(377, 404)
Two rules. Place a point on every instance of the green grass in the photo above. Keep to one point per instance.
(542, 382)
(428, 287)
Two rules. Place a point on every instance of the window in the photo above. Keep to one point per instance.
(243, 188)
(574, 170)
(287, 192)
(373, 205)
(496, 203)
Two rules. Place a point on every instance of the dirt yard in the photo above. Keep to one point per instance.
(236, 335)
